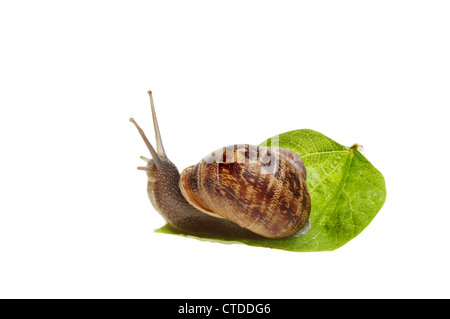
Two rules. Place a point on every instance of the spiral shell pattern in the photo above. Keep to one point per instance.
(261, 189)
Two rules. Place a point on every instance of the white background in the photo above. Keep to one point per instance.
(75, 220)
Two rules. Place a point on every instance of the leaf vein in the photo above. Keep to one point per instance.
(330, 172)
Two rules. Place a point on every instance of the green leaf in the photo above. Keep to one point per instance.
(346, 191)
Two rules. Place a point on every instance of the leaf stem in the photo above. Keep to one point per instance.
(357, 147)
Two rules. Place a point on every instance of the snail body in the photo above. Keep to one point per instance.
(240, 191)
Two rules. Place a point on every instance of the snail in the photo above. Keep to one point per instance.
(239, 191)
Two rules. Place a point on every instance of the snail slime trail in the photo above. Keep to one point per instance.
(226, 194)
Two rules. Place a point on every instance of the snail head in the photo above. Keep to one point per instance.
(158, 166)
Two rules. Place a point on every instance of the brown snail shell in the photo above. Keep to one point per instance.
(261, 189)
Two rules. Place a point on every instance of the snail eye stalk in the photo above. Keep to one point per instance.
(154, 154)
